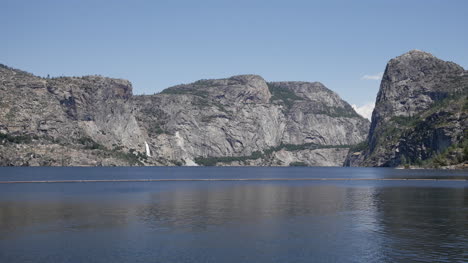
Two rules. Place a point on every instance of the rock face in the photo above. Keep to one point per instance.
(421, 110)
(421, 114)
(242, 120)
(65, 121)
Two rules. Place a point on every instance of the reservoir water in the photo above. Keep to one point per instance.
(270, 220)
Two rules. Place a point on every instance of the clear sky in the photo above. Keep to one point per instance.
(157, 44)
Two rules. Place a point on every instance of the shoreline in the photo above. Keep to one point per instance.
(229, 179)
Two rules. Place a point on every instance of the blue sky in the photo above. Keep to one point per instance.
(157, 44)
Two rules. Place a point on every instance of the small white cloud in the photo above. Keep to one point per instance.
(365, 110)
(377, 76)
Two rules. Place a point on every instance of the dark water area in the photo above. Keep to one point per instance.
(233, 221)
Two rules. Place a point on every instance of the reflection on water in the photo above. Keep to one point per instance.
(429, 223)
(234, 222)
(200, 208)
(15, 217)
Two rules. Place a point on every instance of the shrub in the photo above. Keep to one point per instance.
(178, 163)
(362, 146)
(130, 158)
(408, 121)
(465, 152)
(90, 144)
(440, 160)
(212, 161)
(18, 139)
(403, 160)
(298, 164)
(286, 96)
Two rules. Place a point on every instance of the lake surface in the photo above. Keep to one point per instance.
(233, 221)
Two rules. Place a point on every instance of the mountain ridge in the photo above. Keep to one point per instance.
(420, 119)
(94, 120)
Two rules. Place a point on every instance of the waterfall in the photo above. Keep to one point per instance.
(148, 153)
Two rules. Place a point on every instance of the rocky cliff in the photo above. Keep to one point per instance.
(66, 121)
(242, 120)
(421, 110)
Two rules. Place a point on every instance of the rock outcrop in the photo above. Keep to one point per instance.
(66, 121)
(421, 110)
(421, 117)
(242, 120)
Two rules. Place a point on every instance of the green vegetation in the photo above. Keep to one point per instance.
(452, 99)
(454, 79)
(178, 162)
(202, 99)
(10, 116)
(90, 144)
(157, 122)
(212, 161)
(18, 139)
(174, 90)
(220, 106)
(286, 96)
(201, 102)
(362, 146)
(403, 160)
(202, 82)
(406, 121)
(157, 129)
(187, 89)
(132, 157)
(117, 147)
(17, 71)
(298, 164)
(453, 155)
(436, 116)
(336, 112)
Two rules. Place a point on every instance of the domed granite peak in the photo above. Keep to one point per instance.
(415, 53)
(246, 78)
(412, 86)
(310, 91)
(236, 89)
(419, 64)
(413, 81)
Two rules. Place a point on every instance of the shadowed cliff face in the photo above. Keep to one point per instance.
(420, 111)
(244, 120)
